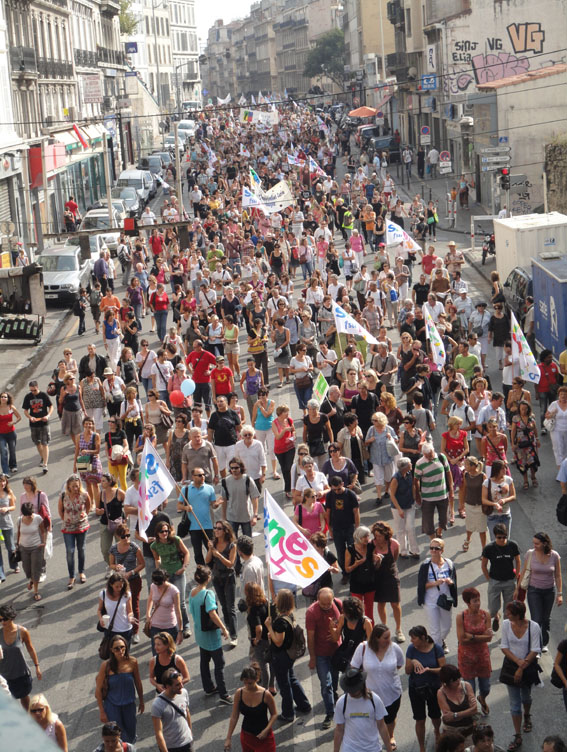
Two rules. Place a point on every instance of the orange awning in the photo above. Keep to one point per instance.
(363, 112)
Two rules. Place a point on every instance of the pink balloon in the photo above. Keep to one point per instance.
(177, 398)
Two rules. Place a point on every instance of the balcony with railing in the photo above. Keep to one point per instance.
(23, 60)
(85, 58)
(49, 68)
(110, 8)
(111, 57)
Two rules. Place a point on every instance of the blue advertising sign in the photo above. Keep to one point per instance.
(131, 48)
(428, 82)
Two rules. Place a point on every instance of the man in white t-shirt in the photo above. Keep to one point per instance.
(312, 478)
(359, 716)
(334, 287)
(326, 359)
(161, 371)
(433, 159)
(148, 217)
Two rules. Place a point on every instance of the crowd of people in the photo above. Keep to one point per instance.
(212, 322)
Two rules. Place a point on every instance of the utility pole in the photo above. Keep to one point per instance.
(178, 170)
(156, 53)
(107, 180)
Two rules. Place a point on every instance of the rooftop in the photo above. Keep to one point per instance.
(522, 78)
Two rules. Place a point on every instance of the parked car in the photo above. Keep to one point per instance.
(153, 163)
(166, 158)
(130, 198)
(153, 182)
(387, 144)
(169, 143)
(64, 273)
(186, 129)
(141, 180)
(96, 243)
(518, 286)
(99, 220)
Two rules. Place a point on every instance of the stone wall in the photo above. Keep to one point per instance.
(556, 171)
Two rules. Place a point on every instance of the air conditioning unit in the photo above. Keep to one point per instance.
(49, 120)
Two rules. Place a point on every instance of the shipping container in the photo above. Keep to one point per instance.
(520, 239)
(550, 302)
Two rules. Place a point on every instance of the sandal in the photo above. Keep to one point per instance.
(276, 476)
(466, 545)
(462, 514)
(527, 727)
(36, 597)
(535, 484)
(483, 705)
(393, 744)
(71, 584)
(526, 485)
(82, 578)
(516, 743)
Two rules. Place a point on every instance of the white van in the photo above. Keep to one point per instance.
(141, 180)
(186, 129)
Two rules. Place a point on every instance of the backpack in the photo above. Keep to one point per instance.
(77, 307)
(562, 510)
(225, 489)
(122, 255)
(297, 647)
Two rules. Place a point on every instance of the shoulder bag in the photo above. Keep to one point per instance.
(488, 508)
(104, 647)
(523, 584)
(85, 461)
(444, 601)
(148, 622)
(111, 524)
(207, 624)
(531, 672)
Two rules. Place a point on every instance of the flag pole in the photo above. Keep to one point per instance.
(180, 492)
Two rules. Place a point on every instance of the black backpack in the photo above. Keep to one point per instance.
(562, 510)
(297, 646)
(225, 489)
(77, 308)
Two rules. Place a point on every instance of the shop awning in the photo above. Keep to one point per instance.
(68, 138)
(95, 132)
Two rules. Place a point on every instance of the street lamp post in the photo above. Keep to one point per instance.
(156, 51)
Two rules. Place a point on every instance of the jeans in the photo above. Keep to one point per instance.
(246, 528)
(225, 588)
(125, 717)
(518, 696)
(343, 538)
(181, 584)
(303, 395)
(261, 362)
(328, 679)
(149, 569)
(198, 541)
(82, 328)
(540, 601)
(161, 324)
(289, 686)
(8, 452)
(218, 660)
(483, 685)
(257, 654)
(147, 384)
(138, 314)
(72, 541)
(493, 519)
(286, 461)
(9, 543)
(202, 395)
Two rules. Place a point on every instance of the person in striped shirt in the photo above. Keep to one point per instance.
(433, 488)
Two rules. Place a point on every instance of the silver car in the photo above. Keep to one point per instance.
(64, 273)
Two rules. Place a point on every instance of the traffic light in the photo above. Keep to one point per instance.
(505, 179)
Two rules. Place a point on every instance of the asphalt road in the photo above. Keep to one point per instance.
(63, 624)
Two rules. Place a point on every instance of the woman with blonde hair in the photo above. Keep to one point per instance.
(359, 565)
(389, 406)
(470, 501)
(380, 439)
(41, 712)
(71, 405)
(166, 657)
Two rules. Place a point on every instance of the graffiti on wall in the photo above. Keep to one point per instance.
(469, 65)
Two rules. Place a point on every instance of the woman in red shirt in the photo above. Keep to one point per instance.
(455, 446)
(9, 416)
(284, 444)
(548, 381)
(159, 303)
(156, 243)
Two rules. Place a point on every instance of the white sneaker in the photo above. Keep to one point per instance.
(233, 643)
(544, 649)
(42, 577)
(136, 639)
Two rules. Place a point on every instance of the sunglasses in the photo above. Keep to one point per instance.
(332, 451)
(37, 710)
(163, 530)
(232, 469)
(178, 420)
(118, 648)
(123, 537)
(198, 475)
(435, 548)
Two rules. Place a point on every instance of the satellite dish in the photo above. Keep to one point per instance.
(412, 73)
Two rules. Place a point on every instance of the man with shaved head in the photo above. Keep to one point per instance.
(318, 619)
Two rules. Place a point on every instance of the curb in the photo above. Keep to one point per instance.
(22, 372)
(476, 264)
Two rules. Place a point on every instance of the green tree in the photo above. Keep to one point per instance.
(128, 22)
(327, 57)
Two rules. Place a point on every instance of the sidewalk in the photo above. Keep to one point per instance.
(436, 190)
(21, 358)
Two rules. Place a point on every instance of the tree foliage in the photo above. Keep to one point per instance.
(327, 57)
(128, 22)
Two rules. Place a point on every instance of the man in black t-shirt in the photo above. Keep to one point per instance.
(222, 432)
(334, 407)
(503, 556)
(343, 515)
(37, 408)
(421, 290)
